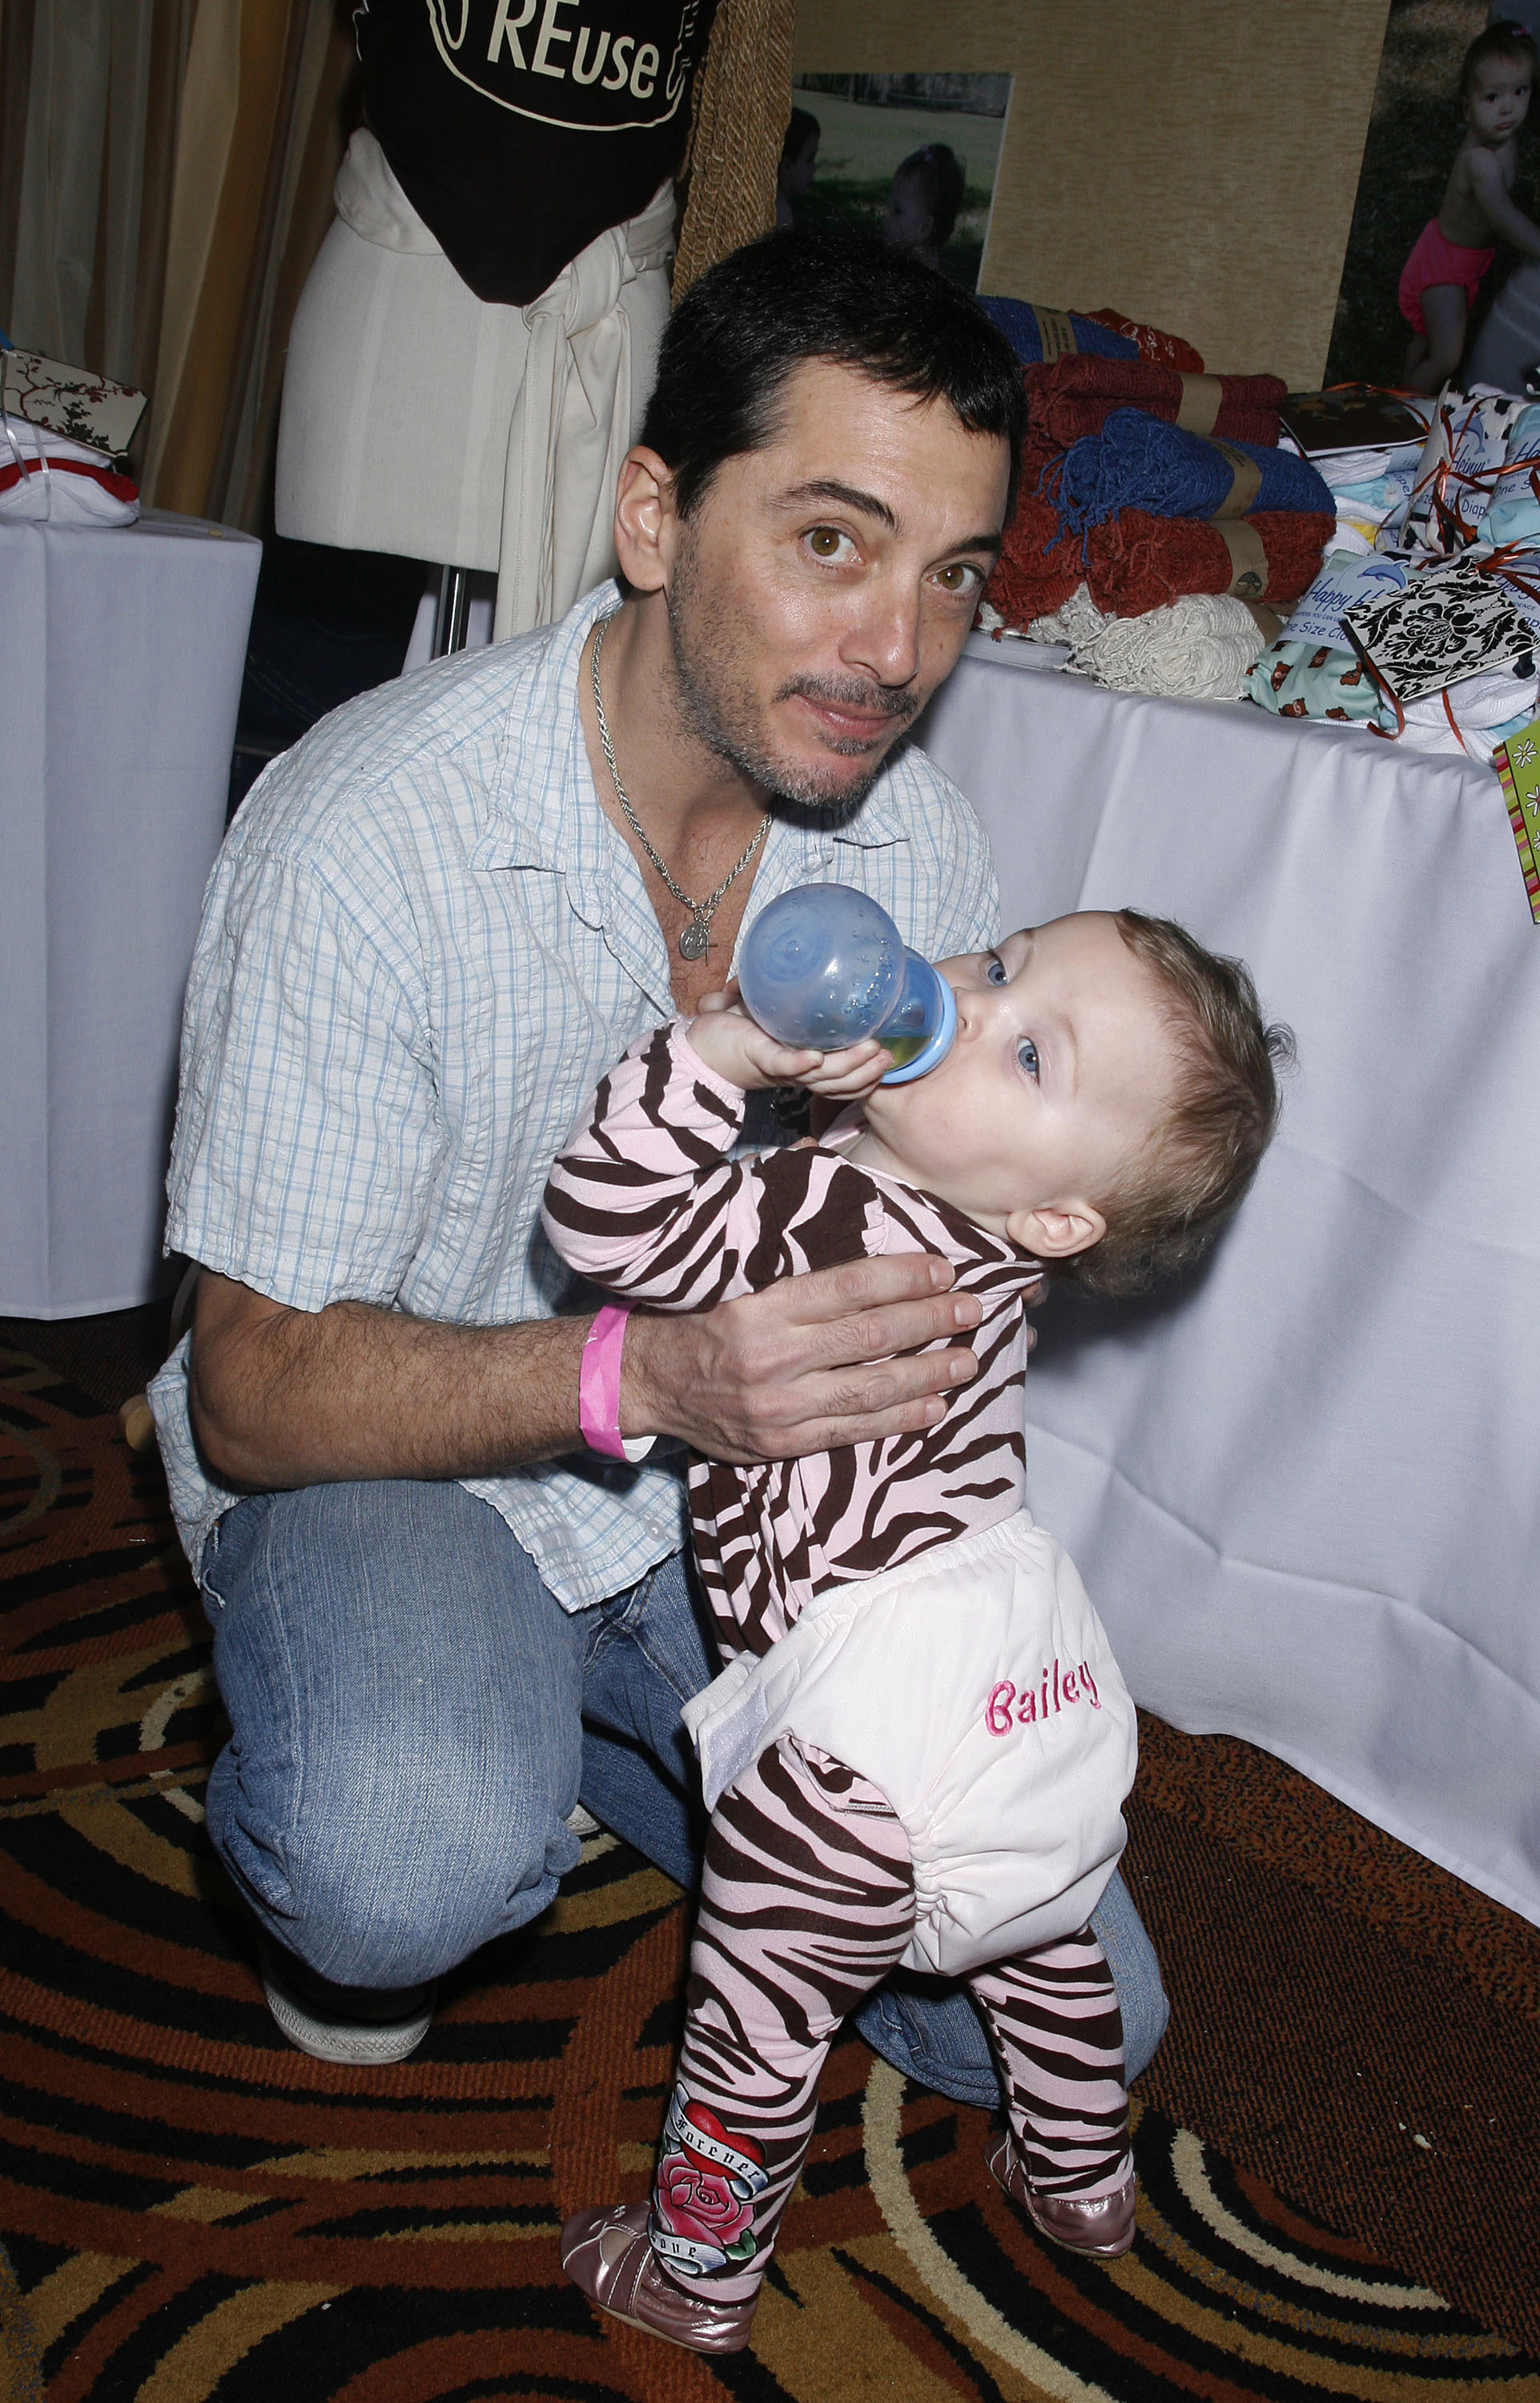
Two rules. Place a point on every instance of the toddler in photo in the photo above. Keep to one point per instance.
(798, 158)
(919, 1748)
(924, 202)
(1441, 280)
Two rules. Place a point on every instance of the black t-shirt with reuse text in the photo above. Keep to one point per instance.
(522, 128)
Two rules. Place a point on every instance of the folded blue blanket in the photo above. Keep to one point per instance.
(1139, 461)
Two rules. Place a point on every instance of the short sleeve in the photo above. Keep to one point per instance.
(307, 1128)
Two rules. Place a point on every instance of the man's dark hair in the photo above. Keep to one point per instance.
(740, 332)
(1503, 40)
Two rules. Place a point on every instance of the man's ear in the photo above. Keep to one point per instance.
(645, 519)
(1057, 1235)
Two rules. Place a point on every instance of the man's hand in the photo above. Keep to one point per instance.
(725, 1037)
(810, 1364)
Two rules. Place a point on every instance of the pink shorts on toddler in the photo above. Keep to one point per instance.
(1436, 259)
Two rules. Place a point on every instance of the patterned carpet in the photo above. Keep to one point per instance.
(191, 2209)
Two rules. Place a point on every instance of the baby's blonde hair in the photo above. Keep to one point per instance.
(1192, 1175)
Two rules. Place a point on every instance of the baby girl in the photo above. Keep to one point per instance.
(919, 1749)
(1441, 280)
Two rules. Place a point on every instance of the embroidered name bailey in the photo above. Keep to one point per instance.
(1011, 1705)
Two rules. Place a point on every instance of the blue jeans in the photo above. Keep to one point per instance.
(413, 1716)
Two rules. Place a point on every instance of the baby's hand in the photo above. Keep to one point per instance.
(725, 1037)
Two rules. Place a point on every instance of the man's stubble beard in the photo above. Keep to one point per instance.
(715, 705)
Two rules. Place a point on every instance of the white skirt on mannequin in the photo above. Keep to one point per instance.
(419, 420)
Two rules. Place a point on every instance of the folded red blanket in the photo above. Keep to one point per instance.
(1074, 397)
(1135, 561)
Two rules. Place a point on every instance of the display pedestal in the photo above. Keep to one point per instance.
(121, 651)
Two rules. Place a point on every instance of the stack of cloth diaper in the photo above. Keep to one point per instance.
(1145, 485)
(1368, 488)
(1471, 495)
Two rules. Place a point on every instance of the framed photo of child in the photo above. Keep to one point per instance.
(911, 157)
(1446, 228)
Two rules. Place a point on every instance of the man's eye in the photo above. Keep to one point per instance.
(994, 969)
(1026, 1053)
(959, 578)
(826, 542)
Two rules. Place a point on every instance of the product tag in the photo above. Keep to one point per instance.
(1056, 332)
(1518, 765)
(1345, 578)
(1248, 560)
(1198, 411)
(1246, 480)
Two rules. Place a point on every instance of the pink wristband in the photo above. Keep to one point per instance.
(599, 1388)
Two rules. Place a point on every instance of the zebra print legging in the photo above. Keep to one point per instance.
(806, 1904)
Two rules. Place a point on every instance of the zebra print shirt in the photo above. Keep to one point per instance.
(644, 1202)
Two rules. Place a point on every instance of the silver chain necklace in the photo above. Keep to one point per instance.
(695, 940)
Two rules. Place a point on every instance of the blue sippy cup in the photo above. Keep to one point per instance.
(822, 966)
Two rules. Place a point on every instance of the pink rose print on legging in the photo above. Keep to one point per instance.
(704, 2192)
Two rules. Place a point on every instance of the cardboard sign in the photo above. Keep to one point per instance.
(1437, 631)
(1346, 578)
(1518, 765)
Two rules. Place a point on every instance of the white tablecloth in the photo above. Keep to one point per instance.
(1304, 1492)
(120, 658)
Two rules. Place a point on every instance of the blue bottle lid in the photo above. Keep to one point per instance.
(937, 1042)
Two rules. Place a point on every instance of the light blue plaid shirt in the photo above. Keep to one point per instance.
(422, 947)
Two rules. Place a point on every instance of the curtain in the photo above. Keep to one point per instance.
(166, 171)
(739, 110)
(165, 181)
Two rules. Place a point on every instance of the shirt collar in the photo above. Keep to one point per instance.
(541, 809)
(543, 812)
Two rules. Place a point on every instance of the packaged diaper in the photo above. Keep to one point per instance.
(1344, 581)
(1312, 670)
(1459, 476)
(1312, 680)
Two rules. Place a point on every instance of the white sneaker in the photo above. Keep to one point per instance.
(343, 2023)
(583, 1822)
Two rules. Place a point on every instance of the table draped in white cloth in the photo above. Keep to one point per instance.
(122, 650)
(1304, 1492)
(419, 420)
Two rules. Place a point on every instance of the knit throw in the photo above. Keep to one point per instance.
(1201, 646)
(1036, 334)
(1076, 397)
(1137, 462)
(1135, 561)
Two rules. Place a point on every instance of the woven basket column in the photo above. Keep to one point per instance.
(742, 112)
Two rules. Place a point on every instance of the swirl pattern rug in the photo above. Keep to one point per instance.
(189, 2209)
